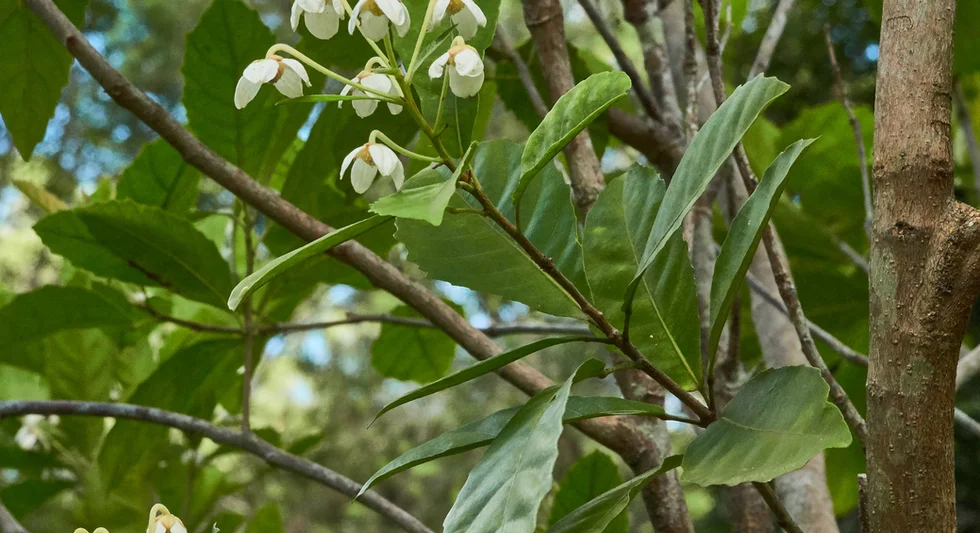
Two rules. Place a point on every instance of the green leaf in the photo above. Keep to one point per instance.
(743, 239)
(504, 491)
(411, 353)
(227, 38)
(26, 496)
(665, 311)
(33, 316)
(599, 513)
(182, 384)
(281, 264)
(40, 197)
(34, 69)
(459, 250)
(160, 177)
(481, 432)
(479, 369)
(571, 114)
(707, 152)
(778, 421)
(140, 244)
(424, 197)
(590, 477)
(268, 519)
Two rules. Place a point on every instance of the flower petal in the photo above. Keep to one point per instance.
(245, 91)
(439, 12)
(338, 6)
(290, 84)
(466, 24)
(294, 15)
(312, 6)
(384, 158)
(296, 66)
(465, 86)
(378, 82)
(362, 176)
(350, 157)
(323, 25)
(344, 92)
(160, 528)
(178, 528)
(438, 66)
(352, 23)
(398, 176)
(364, 108)
(468, 62)
(394, 109)
(261, 71)
(406, 24)
(478, 14)
(394, 10)
(374, 27)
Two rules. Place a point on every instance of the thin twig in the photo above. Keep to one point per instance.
(248, 327)
(966, 127)
(855, 125)
(647, 100)
(690, 69)
(967, 423)
(9, 524)
(783, 517)
(645, 17)
(247, 442)
(769, 41)
(968, 367)
(502, 49)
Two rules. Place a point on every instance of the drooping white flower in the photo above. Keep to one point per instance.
(322, 20)
(467, 16)
(375, 16)
(379, 82)
(30, 432)
(369, 160)
(465, 68)
(161, 521)
(288, 75)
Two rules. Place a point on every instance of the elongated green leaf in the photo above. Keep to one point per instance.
(140, 244)
(665, 311)
(590, 477)
(598, 514)
(479, 369)
(32, 316)
(460, 250)
(40, 196)
(743, 239)
(160, 177)
(34, 69)
(572, 113)
(228, 37)
(778, 421)
(707, 152)
(503, 492)
(482, 432)
(181, 384)
(283, 263)
(411, 353)
(424, 197)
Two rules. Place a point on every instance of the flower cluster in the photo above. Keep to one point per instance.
(161, 521)
(382, 79)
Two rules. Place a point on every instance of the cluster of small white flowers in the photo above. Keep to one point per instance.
(374, 19)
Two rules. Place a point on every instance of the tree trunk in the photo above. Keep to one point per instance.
(923, 275)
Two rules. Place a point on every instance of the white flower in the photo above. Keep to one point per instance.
(369, 160)
(378, 82)
(467, 16)
(161, 521)
(322, 21)
(30, 432)
(375, 15)
(288, 75)
(465, 68)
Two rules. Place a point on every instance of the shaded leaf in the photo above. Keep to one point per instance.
(778, 421)
(708, 151)
(268, 519)
(599, 513)
(743, 239)
(590, 477)
(665, 310)
(411, 353)
(34, 69)
(26, 496)
(482, 432)
(571, 114)
(160, 177)
(281, 264)
(460, 250)
(424, 197)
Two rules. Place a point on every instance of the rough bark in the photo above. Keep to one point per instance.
(923, 275)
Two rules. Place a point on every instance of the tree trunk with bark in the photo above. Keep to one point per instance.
(924, 275)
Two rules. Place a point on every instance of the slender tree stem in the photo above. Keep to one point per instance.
(783, 518)
(413, 64)
(769, 41)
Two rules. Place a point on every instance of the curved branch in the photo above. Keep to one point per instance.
(244, 441)
(9, 524)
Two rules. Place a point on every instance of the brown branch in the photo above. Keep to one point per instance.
(769, 41)
(644, 15)
(9, 524)
(246, 442)
(783, 518)
(855, 125)
(969, 135)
